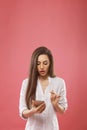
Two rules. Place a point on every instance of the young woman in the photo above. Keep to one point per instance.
(42, 85)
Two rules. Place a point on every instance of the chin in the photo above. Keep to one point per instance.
(44, 76)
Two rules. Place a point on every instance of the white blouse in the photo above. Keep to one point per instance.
(47, 120)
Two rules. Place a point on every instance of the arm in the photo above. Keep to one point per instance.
(23, 110)
(34, 110)
(22, 102)
(59, 108)
(59, 102)
(27, 113)
(56, 105)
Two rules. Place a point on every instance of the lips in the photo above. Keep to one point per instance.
(42, 71)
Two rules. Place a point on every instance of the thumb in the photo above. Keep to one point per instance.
(52, 92)
(57, 98)
(32, 103)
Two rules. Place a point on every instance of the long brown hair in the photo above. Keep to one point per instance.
(33, 75)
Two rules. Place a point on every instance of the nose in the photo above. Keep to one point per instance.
(41, 66)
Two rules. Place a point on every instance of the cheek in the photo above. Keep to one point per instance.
(47, 67)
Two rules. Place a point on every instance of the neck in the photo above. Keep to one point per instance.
(43, 77)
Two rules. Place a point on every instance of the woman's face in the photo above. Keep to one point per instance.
(43, 65)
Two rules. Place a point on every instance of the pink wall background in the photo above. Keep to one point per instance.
(62, 27)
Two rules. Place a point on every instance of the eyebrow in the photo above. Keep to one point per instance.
(43, 61)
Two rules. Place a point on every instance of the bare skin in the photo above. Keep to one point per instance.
(43, 64)
(54, 100)
(34, 110)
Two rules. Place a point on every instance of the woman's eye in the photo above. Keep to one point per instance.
(45, 62)
(38, 63)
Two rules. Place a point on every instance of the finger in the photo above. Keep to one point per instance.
(52, 92)
(41, 107)
(52, 95)
(58, 96)
(53, 98)
(32, 103)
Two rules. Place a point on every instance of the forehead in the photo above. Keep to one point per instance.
(43, 57)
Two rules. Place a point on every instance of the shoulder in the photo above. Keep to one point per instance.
(58, 79)
(58, 83)
(24, 84)
(25, 81)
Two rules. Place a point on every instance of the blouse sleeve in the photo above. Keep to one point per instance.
(22, 102)
(63, 99)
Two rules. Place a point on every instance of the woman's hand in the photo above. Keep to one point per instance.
(34, 110)
(38, 109)
(54, 98)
